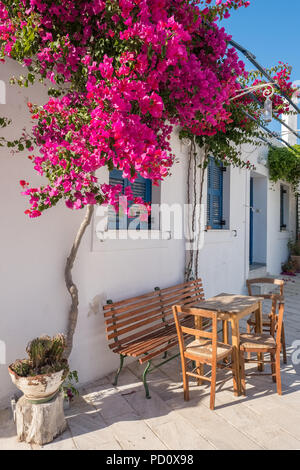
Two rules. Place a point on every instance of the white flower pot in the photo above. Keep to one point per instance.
(41, 388)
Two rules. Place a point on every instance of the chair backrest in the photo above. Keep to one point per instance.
(277, 322)
(201, 327)
(266, 280)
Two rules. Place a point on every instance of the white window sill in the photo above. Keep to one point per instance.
(220, 236)
(130, 240)
(220, 230)
(129, 235)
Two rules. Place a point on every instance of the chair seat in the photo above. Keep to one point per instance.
(255, 341)
(265, 318)
(203, 348)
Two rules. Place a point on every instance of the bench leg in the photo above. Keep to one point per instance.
(115, 382)
(145, 379)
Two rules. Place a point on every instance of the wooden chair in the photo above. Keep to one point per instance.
(251, 323)
(205, 349)
(265, 343)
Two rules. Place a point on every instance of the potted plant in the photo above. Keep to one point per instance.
(294, 248)
(41, 375)
(289, 268)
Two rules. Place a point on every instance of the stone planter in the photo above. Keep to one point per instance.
(38, 389)
(40, 423)
(297, 260)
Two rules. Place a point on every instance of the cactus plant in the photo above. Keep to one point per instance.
(38, 351)
(22, 368)
(45, 357)
(57, 348)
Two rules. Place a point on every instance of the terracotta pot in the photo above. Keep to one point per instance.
(41, 388)
(297, 260)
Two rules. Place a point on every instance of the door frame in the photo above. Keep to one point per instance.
(251, 221)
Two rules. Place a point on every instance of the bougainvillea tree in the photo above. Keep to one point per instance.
(124, 73)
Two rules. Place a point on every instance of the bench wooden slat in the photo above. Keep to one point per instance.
(136, 326)
(196, 283)
(115, 346)
(144, 359)
(163, 335)
(162, 312)
(156, 298)
(129, 300)
(131, 307)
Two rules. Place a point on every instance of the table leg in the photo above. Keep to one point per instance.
(225, 332)
(259, 330)
(235, 332)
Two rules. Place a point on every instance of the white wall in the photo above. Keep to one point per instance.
(224, 260)
(33, 297)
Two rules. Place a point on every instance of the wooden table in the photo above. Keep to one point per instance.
(232, 308)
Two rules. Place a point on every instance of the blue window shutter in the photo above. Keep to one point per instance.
(141, 187)
(214, 195)
(114, 221)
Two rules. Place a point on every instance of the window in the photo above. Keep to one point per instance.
(283, 208)
(142, 188)
(215, 186)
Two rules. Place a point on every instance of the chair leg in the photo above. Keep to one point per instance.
(115, 382)
(186, 391)
(273, 367)
(234, 375)
(260, 358)
(248, 331)
(278, 376)
(283, 345)
(243, 376)
(213, 386)
(200, 371)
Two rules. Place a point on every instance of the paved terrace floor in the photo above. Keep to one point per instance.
(106, 417)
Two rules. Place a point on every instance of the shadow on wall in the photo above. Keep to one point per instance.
(96, 305)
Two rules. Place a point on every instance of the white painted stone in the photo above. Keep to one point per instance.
(40, 423)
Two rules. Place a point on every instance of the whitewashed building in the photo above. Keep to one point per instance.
(258, 220)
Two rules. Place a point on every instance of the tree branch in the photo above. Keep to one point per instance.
(72, 288)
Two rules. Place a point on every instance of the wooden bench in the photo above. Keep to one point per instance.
(143, 327)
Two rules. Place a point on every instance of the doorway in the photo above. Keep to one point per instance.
(258, 221)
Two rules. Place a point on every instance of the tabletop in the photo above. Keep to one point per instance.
(230, 304)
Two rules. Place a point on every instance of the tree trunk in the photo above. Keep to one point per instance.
(195, 184)
(72, 288)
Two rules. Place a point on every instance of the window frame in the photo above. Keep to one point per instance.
(124, 223)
